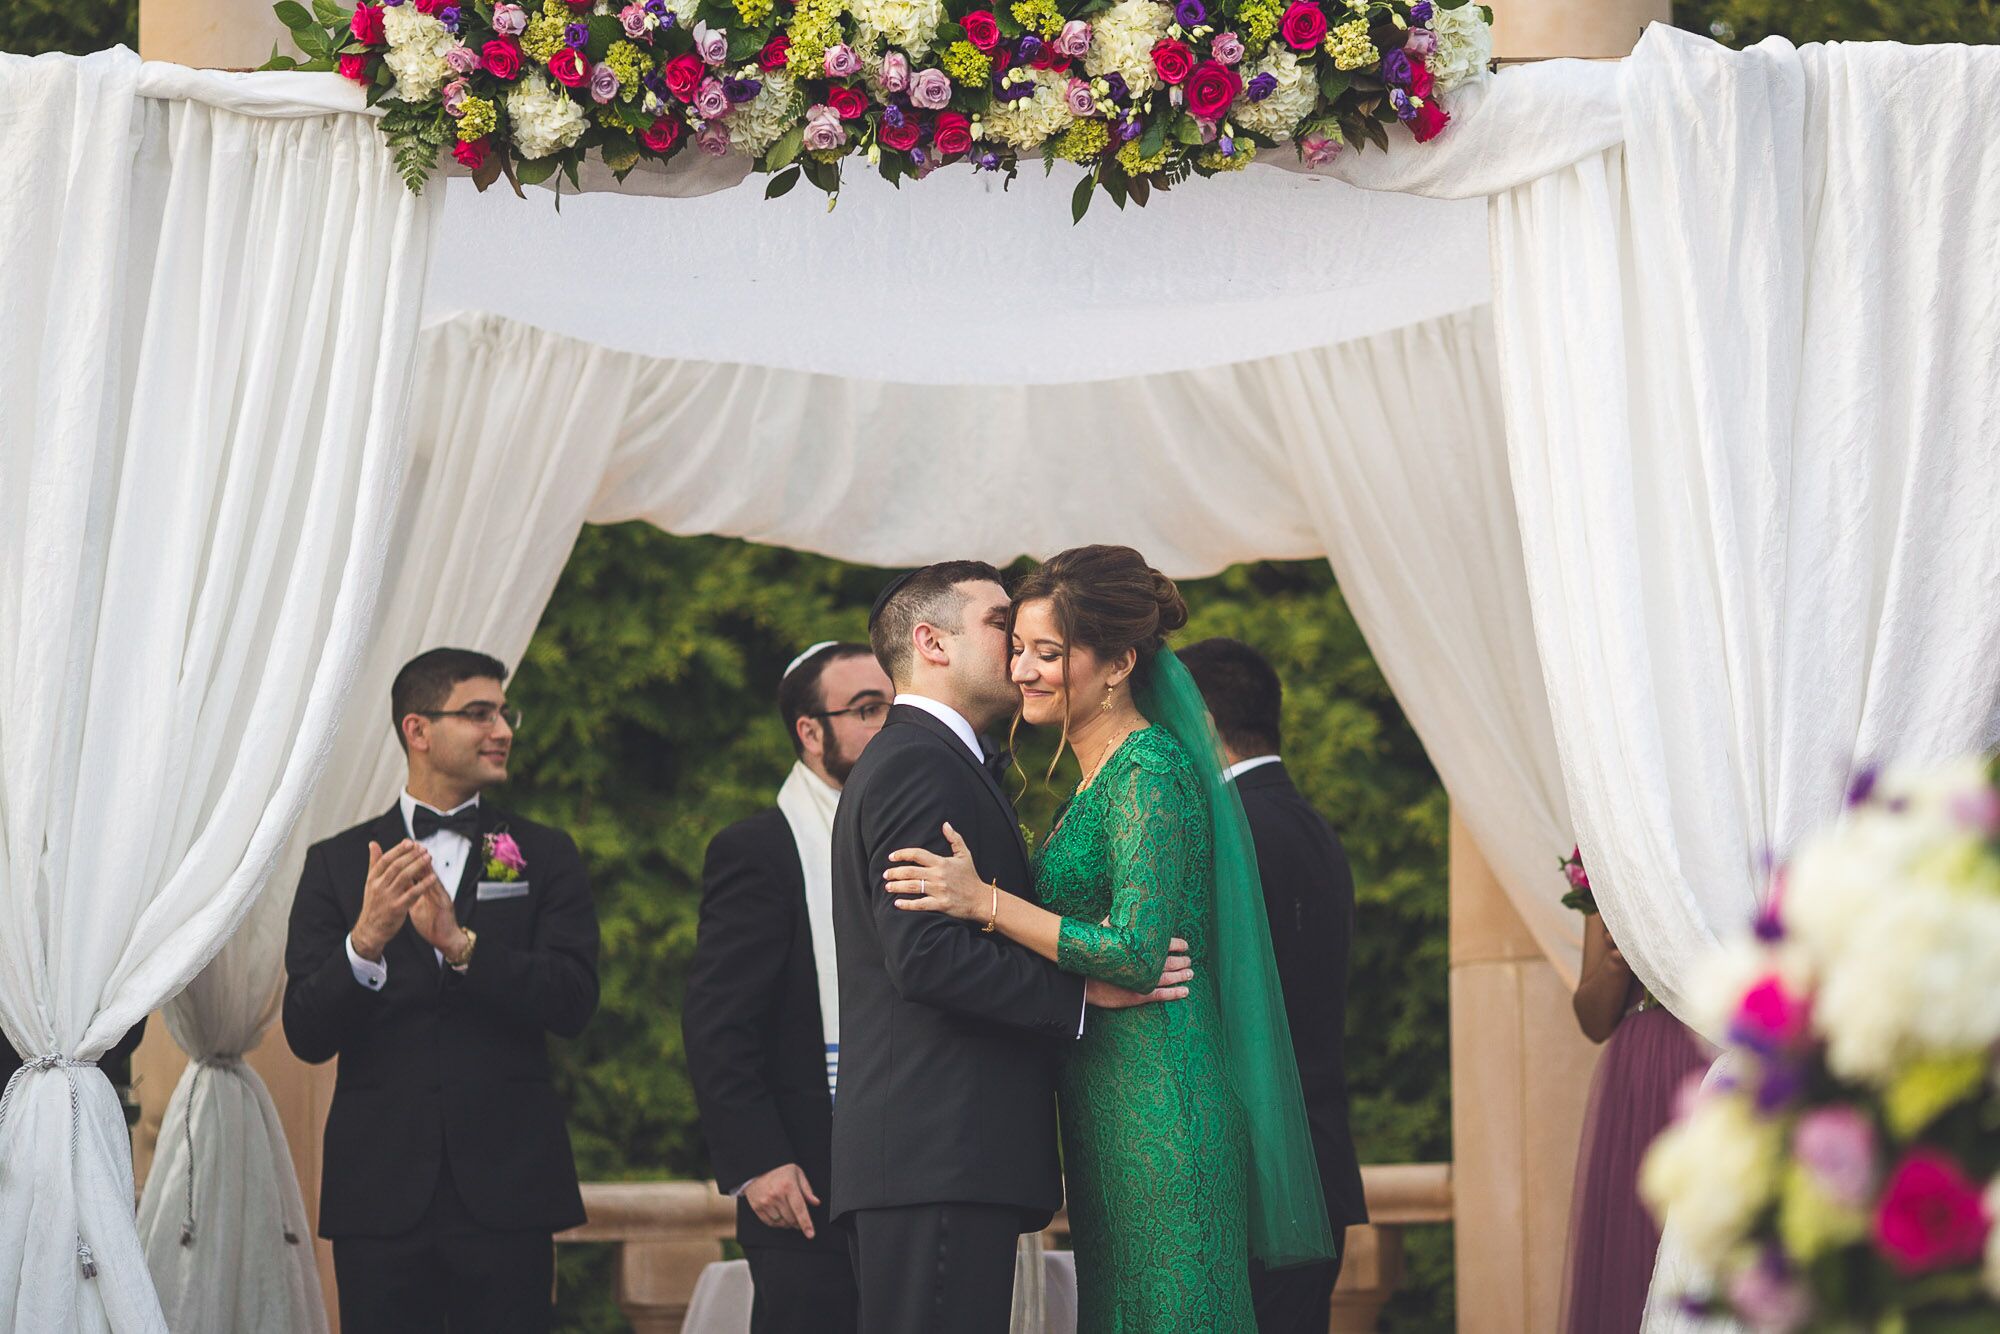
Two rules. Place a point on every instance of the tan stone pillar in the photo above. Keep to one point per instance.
(1520, 1074)
(1538, 29)
(214, 34)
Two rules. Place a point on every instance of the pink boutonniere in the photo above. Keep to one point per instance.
(503, 858)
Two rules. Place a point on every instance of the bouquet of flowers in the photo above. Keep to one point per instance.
(1579, 898)
(1842, 1169)
(1141, 93)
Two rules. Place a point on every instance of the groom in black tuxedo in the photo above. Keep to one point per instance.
(944, 1128)
(433, 949)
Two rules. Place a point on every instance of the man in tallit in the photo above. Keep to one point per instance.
(762, 1020)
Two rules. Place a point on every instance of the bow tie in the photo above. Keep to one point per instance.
(997, 763)
(424, 822)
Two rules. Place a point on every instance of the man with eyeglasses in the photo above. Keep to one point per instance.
(761, 1025)
(433, 949)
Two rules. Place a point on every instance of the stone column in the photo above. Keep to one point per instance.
(1520, 1074)
(1537, 29)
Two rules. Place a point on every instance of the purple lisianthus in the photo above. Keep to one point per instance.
(1029, 47)
(1074, 40)
(1399, 102)
(823, 128)
(1420, 12)
(710, 101)
(1115, 83)
(1862, 785)
(713, 139)
(1190, 13)
(987, 161)
(892, 116)
(1261, 87)
(509, 20)
(577, 35)
(742, 90)
(1011, 92)
(930, 89)
(1420, 42)
(603, 83)
(1227, 145)
(1226, 47)
(449, 16)
(1396, 68)
(841, 62)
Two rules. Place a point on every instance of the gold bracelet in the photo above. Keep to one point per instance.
(994, 920)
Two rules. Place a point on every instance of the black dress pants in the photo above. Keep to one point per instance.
(800, 1291)
(1294, 1300)
(933, 1268)
(447, 1275)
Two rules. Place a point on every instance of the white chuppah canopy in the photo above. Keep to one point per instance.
(1729, 578)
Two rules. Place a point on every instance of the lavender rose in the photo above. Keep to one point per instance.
(711, 99)
(603, 83)
(713, 139)
(633, 17)
(711, 44)
(930, 89)
(895, 72)
(1080, 99)
(1421, 42)
(1226, 47)
(823, 128)
(455, 94)
(841, 62)
(1316, 150)
(462, 59)
(509, 20)
(1074, 40)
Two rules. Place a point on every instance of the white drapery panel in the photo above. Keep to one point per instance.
(1750, 387)
(1345, 451)
(203, 434)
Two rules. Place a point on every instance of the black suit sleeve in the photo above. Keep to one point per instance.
(937, 960)
(553, 982)
(323, 1002)
(733, 989)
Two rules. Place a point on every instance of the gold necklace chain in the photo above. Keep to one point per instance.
(1109, 748)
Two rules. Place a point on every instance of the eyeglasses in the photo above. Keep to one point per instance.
(479, 715)
(870, 713)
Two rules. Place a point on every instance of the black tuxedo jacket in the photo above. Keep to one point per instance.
(756, 1050)
(949, 1036)
(440, 1065)
(1309, 895)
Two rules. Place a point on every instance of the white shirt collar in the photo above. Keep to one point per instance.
(1241, 767)
(950, 717)
(410, 804)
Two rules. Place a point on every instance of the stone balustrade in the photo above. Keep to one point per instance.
(667, 1231)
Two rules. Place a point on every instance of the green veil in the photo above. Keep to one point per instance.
(1288, 1219)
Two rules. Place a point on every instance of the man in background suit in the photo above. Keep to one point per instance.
(1309, 898)
(433, 949)
(761, 1026)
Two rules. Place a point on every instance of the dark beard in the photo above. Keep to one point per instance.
(839, 764)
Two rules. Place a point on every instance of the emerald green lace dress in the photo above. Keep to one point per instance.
(1155, 1152)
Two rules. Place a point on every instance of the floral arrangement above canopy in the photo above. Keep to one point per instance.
(1141, 93)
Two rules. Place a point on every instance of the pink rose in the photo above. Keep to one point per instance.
(1081, 101)
(895, 72)
(455, 94)
(366, 25)
(1769, 1296)
(1211, 88)
(712, 44)
(463, 60)
(603, 83)
(502, 59)
(981, 29)
(509, 20)
(1931, 1217)
(902, 137)
(1303, 26)
(432, 7)
(1074, 40)
(930, 89)
(473, 156)
(953, 134)
(354, 66)
(710, 101)
(713, 139)
(633, 19)
(507, 852)
(841, 62)
(1172, 59)
(569, 69)
(683, 75)
(1226, 47)
(1420, 42)
(851, 103)
(661, 135)
(1769, 1016)
(1836, 1145)
(1430, 122)
(823, 128)
(1316, 150)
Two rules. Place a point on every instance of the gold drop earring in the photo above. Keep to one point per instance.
(1110, 693)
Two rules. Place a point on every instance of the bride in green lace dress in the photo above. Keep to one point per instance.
(1184, 1133)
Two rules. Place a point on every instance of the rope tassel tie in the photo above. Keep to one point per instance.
(86, 1259)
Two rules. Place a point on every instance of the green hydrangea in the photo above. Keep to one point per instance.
(631, 65)
(1135, 165)
(479, 120)
(968, 67)
(1351, 47)
(1040, 17)
(1084, 141)
(814, 27)
(1215, 159)
(543, 37)
(753, 12)
(1259, 20)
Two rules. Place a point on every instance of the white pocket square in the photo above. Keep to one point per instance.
(501, 889)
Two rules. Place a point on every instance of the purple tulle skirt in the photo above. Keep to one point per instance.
(1612, 1239)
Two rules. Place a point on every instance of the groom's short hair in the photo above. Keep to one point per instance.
(1243, 692)
(929, 596)
(426, 682)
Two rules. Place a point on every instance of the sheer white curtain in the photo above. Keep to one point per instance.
(1749, 362)
(203, 369)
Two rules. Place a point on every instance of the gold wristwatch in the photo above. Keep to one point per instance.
(471, 939)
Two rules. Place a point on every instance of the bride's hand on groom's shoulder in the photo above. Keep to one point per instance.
(930, 883)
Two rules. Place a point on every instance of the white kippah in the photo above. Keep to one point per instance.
(799, 661)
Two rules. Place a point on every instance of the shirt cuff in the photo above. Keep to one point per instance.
(1082, 1011)
(369, 973)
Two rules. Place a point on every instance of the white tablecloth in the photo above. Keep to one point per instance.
(721, 1301)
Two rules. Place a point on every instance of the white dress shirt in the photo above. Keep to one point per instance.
(448, 849)
(1241, 767)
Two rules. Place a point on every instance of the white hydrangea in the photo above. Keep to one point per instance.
(1122, 40)
(909, 24)
(1024, 124)
(1289, 103)
(1465, 45)
(684, 12)
(543, 117)
(1713, 1173)
(762, 121)
(417, 46)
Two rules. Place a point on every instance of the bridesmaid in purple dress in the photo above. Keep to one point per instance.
(1612, 1238)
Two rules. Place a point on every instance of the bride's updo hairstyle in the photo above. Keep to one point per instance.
(1106, 599)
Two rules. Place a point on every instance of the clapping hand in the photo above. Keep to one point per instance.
(436, 919)
(396, 880)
